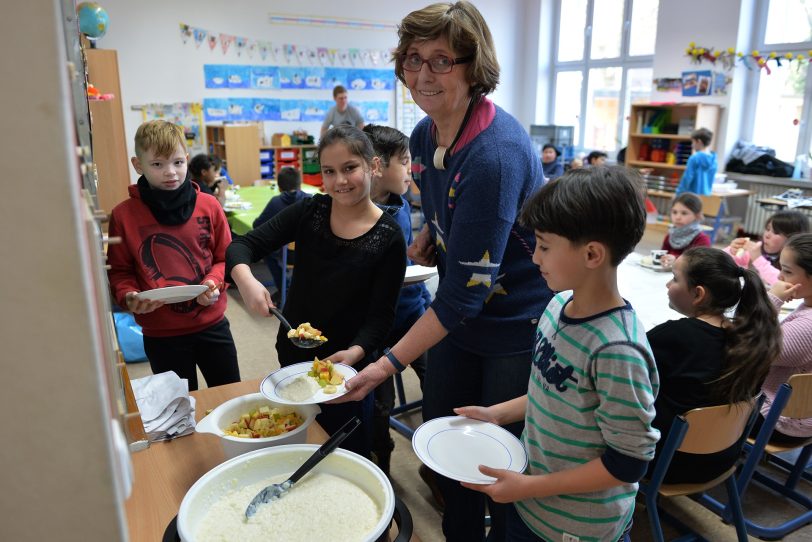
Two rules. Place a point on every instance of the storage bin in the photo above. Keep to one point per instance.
(265, 155)
(313, 179)
(287, 154)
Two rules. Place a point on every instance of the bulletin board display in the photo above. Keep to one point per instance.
(407, 113)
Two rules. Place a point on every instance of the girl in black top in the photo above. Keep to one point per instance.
(709, 359)
(350, 263)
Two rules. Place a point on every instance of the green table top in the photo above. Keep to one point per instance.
(258, 196)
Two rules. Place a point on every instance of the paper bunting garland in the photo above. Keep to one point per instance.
(755, 59)
(292, 54)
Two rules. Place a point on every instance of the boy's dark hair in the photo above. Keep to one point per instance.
(338, 89)
(690, 200)
(356, 141)
(288, 179)
(551, 146)
(801, 244)
(598, 204)
(216, 161)
(753, 339)
(702, 134)
(387, 142)
(199, 163)
(788, 223)
(594, 155)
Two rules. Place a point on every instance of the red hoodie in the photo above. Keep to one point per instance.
(153, 255)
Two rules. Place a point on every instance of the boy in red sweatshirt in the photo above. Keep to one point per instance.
(173, 235)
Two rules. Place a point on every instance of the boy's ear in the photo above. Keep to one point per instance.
(137, 165)
(595, 254)
(377, 170)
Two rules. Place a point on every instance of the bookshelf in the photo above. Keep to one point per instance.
(238, 146)
(302, 157)
(660, 135)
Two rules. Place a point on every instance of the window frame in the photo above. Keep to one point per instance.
(625, 61)
(757, 40)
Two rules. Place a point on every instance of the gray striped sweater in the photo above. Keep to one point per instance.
(592, 386)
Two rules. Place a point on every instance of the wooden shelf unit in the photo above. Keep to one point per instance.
(700, 116)
(238, 146)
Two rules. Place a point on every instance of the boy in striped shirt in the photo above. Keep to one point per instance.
(590, 399)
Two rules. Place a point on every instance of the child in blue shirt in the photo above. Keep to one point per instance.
(290, 184)
(701, 167)
(589, 407)
(392, 147)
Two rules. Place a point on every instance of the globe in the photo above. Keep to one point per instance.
(93, 20)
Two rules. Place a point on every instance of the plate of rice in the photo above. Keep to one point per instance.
(292, 385)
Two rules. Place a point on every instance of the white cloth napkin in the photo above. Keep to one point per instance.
(166, 408)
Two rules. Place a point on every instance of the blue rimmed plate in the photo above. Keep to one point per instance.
(455, 446)
(273, 385)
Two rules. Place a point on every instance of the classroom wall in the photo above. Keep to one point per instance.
(157, 67)
(719, 24)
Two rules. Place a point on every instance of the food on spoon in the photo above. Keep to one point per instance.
(307, 332)
(264, 422)
(325, 374)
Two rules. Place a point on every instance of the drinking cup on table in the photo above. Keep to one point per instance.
(657, 256)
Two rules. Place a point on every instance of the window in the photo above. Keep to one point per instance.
(781, 109)
(592, 91)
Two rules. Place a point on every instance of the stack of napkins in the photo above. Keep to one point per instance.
(166, 408)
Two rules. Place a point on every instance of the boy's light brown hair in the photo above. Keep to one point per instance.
(159, 136)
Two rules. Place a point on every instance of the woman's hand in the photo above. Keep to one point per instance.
(364, 382)
(509, 486)
(784, 290)
(422, 250)
(485, 414)
(141, 306)
(350, 356)
(210, 296)
(256, 296)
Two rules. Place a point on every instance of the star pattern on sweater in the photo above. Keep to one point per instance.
(497, 289)
(482, 275)
(438, 233)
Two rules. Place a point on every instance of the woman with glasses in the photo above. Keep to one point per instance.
(475, 166)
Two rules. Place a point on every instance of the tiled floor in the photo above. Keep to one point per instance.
(255, 345)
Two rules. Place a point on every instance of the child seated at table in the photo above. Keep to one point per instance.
(707, 358)
(686, 228)
(701, 167)
(290, 187)
(205, 171)
(763, 256)
(795, 282)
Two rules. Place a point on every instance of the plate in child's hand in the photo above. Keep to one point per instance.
(173, 294)
(418, 273)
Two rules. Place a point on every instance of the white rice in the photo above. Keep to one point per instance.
(300, 388)
(320, 506)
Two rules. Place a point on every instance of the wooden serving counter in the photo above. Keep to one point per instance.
(165, 471)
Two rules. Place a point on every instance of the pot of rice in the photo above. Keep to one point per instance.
(345, 498)
(287, 423)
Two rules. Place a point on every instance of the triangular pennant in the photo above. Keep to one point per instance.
(264, 48)
(240, 43)
(200, 36)
(332, 54)
(212, 42)
(290, 52)
(323, 56)
(225, 41)
(375, 57)
(276, 52)
(344, 57)
(355, 57)
(252, 48)
(312, 58)
(301, 54)
(185, 32)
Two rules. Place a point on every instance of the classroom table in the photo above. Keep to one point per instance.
(779, 204)
(713, 206)
(242, 221)
(165, 471)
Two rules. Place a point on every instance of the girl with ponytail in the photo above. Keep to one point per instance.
(711, 357)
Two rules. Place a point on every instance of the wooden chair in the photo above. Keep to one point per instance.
(700, 431)
(793, 400)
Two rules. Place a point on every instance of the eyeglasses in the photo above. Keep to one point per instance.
(437, 64)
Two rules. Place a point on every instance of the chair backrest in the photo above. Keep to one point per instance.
(711, 205)
(716, 428)
(799, 405)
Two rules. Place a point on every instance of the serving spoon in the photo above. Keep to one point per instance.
(276, 491)
(298, 341)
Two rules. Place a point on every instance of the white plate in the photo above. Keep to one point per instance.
(418, 273)
(455, 446)
(173, 294)
(279, 379)
(659, 268)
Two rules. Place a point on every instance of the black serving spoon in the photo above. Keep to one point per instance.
(301, 343)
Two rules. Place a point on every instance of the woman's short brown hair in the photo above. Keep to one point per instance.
(467, 33)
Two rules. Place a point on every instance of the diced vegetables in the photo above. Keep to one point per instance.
(306, 331)
(264, 422)
(325, 374)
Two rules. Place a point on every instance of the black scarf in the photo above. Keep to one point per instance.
(169, 207)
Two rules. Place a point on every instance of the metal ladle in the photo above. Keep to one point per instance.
(301, 343)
